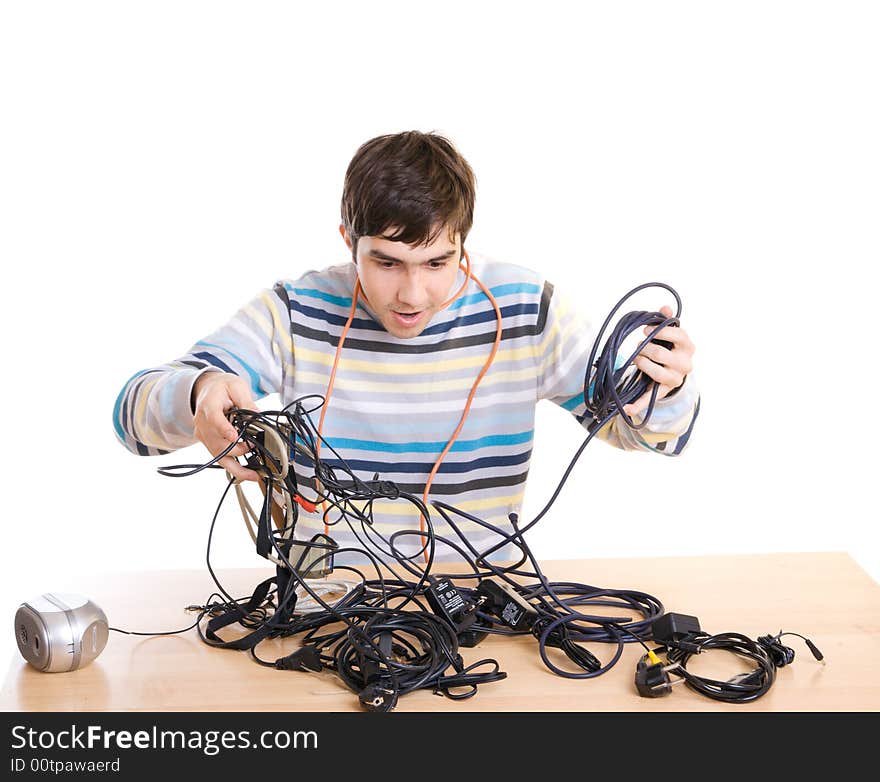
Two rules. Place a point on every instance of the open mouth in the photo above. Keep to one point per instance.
(408, 318)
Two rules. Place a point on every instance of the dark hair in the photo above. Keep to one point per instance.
(415, 183)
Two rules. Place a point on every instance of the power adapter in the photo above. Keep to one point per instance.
(676, 630)
(507, 604)
(449, 604)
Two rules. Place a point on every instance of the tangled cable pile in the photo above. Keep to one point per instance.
(398, 625)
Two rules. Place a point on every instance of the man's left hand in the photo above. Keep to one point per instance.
(668, 367)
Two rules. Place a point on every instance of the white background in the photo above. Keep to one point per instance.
(164, 161)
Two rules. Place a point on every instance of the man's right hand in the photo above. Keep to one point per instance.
(214, 395)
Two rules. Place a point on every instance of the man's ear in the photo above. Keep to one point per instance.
(347, 239)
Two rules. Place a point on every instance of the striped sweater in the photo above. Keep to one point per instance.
(395, 401)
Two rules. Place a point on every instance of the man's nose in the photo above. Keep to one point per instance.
(413, 291)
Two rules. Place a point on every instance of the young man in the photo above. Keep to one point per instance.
(419, 332)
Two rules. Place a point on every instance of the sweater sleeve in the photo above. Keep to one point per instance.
(153, 413)
(565, 342)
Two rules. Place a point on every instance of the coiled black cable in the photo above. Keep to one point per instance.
(743, 688)
(614, 385)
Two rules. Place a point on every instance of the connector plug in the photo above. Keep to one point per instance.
(783, 655)
(306, 658)
(652, 676)
(652, 681)
(376, 697)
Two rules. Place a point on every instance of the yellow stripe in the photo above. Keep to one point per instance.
(310, 526)
(474, 362)
(401, 508)
(653, 437)
(611, 433)
(145, 434)
(563, 334)
(428, 387)
(463, 383)
(379, 368)
(494, 378)
(271, 330)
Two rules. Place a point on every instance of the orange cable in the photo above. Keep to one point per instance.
(498, 330)
(354, 300)
(467, 405)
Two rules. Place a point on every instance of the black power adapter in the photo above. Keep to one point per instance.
(507, 604)
(674, 630)
(449, 604)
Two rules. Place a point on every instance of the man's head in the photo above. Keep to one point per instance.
(407, 207)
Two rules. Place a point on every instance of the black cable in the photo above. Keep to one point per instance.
(208, 608)
(614, 385)
(377, 648)
(561, 623)
(743, 688)
(367, 650)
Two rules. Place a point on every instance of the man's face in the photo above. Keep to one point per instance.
(405, 286)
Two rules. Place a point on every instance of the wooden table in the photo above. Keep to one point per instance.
(824, 596)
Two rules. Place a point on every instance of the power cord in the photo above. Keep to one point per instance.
(679, 636)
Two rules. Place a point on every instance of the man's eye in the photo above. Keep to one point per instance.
(437, 264)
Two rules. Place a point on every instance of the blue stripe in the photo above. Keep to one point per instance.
(573, 403)
(499, 290)
(214, 361)
(336, 320)
(117, 407)
(578, 399)
(431, 447)
(439, 328)
(342, 301)
(420, 467)
(482, 317)
(166, 404)
(255, 378)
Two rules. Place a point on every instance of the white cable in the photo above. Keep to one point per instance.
(306, 604)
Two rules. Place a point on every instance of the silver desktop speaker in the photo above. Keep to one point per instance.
(58, 632)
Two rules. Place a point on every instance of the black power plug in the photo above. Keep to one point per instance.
(652, 681)
(376, 697)
(652, 676)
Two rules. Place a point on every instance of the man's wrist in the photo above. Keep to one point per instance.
(675, 390)
(196, 386)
